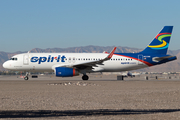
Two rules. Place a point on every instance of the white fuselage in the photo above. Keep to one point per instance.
(71, 64)
(48, 61)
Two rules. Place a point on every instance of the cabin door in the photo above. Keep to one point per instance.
(26, 60)
(140, 58)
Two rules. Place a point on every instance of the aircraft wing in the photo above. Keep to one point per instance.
(90, 64)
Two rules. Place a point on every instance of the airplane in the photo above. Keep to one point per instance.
(73, 64)
(128, 74)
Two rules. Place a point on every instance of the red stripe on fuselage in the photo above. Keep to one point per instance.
(147, 63)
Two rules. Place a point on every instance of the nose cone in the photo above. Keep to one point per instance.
(5, 65)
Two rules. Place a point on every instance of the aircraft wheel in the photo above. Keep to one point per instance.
(26, 78)
(85, 77)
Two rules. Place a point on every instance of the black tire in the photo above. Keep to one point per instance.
(26, 78)
(85, 77)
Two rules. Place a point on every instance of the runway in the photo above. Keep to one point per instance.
(100, 98)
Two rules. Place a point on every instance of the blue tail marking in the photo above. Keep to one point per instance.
(160, 43)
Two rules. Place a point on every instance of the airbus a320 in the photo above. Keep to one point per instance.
(73, 64)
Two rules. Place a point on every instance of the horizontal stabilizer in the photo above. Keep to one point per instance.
(157, 59)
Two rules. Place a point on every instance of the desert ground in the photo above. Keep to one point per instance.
(103, 97)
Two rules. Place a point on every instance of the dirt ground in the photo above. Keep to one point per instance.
(99, 98)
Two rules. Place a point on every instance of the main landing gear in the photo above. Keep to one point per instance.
(85, 77)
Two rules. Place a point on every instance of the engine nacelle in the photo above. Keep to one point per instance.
(65, 72)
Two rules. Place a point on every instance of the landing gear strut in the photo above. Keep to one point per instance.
(85, 77)
(26, 77)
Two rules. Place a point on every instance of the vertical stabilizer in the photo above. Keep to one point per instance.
(160, 43)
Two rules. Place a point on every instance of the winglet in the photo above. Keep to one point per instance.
(111, 53)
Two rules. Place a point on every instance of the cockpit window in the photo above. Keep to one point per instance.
(13, 59)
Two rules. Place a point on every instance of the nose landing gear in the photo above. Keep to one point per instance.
(26, 77)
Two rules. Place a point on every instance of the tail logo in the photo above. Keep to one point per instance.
(163, 44)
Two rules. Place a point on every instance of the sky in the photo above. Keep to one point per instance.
(28, 24)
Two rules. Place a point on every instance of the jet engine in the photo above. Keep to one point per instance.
(65, 72)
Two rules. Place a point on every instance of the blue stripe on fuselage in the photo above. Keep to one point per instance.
(146, 58)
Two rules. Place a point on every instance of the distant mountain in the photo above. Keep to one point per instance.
(85, 49)
(168, 67)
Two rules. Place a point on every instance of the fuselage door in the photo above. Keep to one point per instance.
(140, 58)
(26, 59)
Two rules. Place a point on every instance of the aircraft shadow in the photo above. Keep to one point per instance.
(63, 113)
